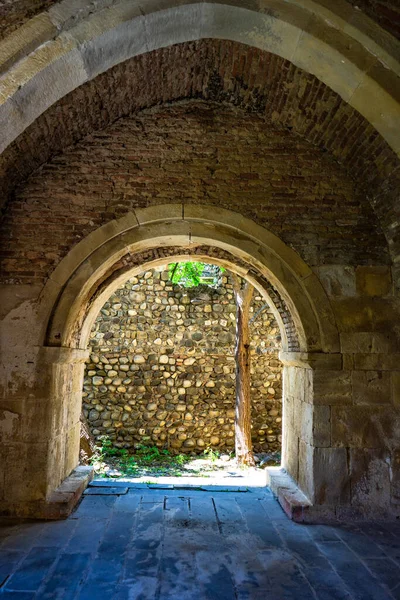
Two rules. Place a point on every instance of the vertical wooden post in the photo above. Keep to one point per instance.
(243, 443)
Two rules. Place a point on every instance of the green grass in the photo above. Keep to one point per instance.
(150, 461)
(147, 460)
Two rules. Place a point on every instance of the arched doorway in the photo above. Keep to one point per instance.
(149, 238)
(159, 390)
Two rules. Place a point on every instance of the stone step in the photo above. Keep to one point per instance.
(293, 501)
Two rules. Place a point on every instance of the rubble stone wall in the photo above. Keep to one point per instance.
(162, 368)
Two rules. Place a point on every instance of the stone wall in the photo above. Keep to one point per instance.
(162, 368)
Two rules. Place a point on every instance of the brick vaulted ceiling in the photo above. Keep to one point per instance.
(224, 72)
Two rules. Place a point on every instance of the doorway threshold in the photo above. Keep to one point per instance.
(255, 480)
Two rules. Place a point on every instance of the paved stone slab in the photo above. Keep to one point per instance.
(327, 584)
(362, 584)
(164, 544)
(55, 534)
(23, 538)
(359, 543)
(8, 563)
(106, 491)
(386, 571)
(105, 483)
(32, 571)
(95, 507)
(87, 536)
(17, 595)
(66, 577)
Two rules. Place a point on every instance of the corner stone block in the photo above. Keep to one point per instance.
(332, 387)
(30, 420)
(72, 448)
(25, 469)
(305, 422)
(305, 480)
(370, 478)
(374, 281)
(329, 362)
(331, 476)
(371, 387)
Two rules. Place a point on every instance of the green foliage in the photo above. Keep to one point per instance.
(149, 460)
(186, 273)
(146, 460)
(191, 274)
(107, 449)
(211, 454)
(151, 453)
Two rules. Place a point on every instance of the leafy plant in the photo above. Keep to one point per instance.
(192, 274)
(186, 273)
(149, 460)
(211, 454)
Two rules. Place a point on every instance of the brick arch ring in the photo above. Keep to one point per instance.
(149, 237)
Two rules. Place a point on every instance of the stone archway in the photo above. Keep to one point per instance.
(345, 52)
(91, 263)
(144, 239)
(161, 369)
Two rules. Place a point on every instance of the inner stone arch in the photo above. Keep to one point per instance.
(134, 263)
(161, 370)
(149, 239)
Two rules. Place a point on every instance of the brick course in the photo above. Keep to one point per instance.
(87, 186)
(193, 153)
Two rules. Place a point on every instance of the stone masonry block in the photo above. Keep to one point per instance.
(304, 421)
(25, 471)
(373, 281)
(370, 477)
(366, 342)
(377, 362)
(329, 362)
(371, 387)
(306, 481)
(396, 388)
(348, 362)
(331, 476)
(365, 426)
(338, 280)
(365, 314)
(322, 426)
(332, 387)
(395, 480)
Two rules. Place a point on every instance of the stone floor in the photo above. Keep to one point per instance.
(186, 544)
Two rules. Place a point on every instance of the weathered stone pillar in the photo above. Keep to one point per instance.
(39, 428)
(341, 429)
(311, 383)
(297, 420)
